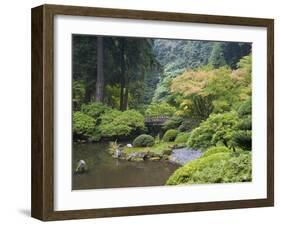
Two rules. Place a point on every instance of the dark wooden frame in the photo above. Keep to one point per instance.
(42, 203)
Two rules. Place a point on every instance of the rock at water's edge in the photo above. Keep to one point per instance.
(81, 167)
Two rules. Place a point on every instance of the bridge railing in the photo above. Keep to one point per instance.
(157, 119)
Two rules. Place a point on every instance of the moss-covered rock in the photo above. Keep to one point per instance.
(137, 159)
(81, 167)
(155, 158)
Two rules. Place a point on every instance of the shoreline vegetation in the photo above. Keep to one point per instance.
(187, 102)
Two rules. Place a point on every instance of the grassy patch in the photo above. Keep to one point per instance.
(159, 148)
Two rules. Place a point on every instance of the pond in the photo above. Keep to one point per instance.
(107, 172)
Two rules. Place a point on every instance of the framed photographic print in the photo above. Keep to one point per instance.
(141, 112)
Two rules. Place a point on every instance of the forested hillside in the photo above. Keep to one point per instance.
(176, 56)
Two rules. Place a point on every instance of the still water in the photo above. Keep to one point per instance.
(107, 172)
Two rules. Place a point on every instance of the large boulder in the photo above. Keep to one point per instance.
(81, 166)
(118, 153)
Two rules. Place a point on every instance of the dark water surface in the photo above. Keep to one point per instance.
(107, 172)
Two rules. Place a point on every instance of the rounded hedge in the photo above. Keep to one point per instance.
(143, 140)
(182, 137)
(170, 135)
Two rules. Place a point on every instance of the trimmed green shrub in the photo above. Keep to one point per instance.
(170, 135)
(215, 150)
(182, 138)
(223, 167)
(83, 124)
(143, 140)
(116, 123)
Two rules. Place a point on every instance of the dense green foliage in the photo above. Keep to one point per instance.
(177, 56)
(173, 122)
(94, 109)
(143, 140)
(243, 133)
(217, 58)
(182, 137)
(83, 124)
(160, 109)
(170, 135)
(116, 123)
(215, 150)
(222, 167)
(78, 94)
(217, 129)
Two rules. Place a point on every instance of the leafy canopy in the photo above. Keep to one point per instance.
(217, 129)
(160, 109)
(94, 109)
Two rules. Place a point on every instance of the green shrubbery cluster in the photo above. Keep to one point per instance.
(221, 167)
(96, 121)
(94, 109)
(143, 140)
(160, 109)
(116, 123)
(217, 129)
(242, 137)
(182, 137)
(172, 123)
(170, 135)
(83, 125)
(215, 149)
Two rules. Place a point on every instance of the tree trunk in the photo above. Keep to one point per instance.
(126, 98)
(122, 86)
(100, 75)
(122, 76)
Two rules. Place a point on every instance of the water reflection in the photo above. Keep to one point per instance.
(107, 172)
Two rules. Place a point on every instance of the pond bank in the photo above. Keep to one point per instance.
(104, 171)
(170, 151)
